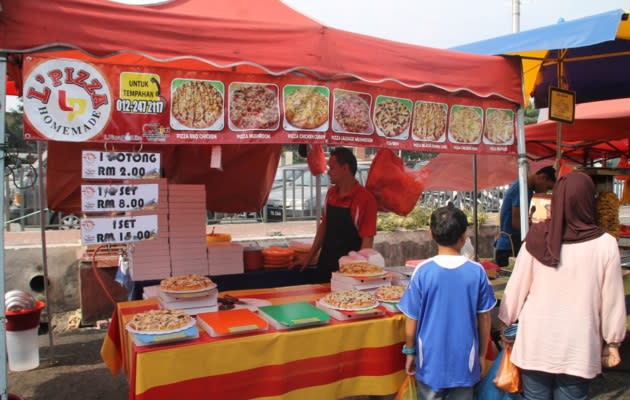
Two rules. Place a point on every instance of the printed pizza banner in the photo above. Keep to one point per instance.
(76, 101)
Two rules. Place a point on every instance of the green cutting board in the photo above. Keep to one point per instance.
(296, 315)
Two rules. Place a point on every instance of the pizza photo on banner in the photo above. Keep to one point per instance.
(78, 101)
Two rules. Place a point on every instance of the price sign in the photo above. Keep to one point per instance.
(118, 229)
(97, 198)
(120, 165)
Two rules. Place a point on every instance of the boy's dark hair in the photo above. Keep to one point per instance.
(448, 224)
(549, 172)
(344, 156)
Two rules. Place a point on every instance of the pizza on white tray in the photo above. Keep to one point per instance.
(360, 269)
(184, 283)
(160, 321)
(389, 293)
(350, 300)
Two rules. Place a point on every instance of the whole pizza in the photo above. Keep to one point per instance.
(499, 126)
(352, 112)
(254, 106)
(197, 104)
(361, 269)
(306, 108)
(465, 125)
(160, 321)
(392, 117)
(185, 283)
(389, 293)
(429, 121)
(349, 300)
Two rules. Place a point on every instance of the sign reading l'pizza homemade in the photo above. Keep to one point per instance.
(72, 100)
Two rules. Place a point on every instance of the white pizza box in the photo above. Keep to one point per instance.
(336, 286)
(178, 198)
(189, 233)
(342, 315)
(338, 276)
(193, 257)
(189, 264)
(153, 251)
(198, 196)
(161, 239)
(224, 247)
(186, 204)
(187, 241)
(226, 269)
(145, 256)
(148, 274)
(188, 228)
(162, 182)
(150, 292)
(167, 301)
(183, 269)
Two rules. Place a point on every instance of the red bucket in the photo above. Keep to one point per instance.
(25, 319)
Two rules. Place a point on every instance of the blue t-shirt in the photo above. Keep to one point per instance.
(445, 295)
(511, 199)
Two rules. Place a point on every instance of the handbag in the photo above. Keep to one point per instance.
(508, 377)
(408, 390)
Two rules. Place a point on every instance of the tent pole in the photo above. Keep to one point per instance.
(3, 317)
(522, 172)
(475, 220)
(43, 213)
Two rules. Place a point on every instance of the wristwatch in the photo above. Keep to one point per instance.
(613, 345)
(408, 351)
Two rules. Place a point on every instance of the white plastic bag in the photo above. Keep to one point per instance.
(468, 250)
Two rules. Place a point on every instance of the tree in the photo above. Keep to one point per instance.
(531, 114)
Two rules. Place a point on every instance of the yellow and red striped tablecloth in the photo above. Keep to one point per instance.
(338, 360)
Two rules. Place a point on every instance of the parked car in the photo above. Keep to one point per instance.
(294, 194)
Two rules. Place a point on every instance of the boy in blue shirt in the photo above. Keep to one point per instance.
(447, 305)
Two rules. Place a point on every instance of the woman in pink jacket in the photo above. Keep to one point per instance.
(567, 293)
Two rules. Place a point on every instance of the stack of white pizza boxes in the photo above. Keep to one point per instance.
(192, 305)
(207, 302)
(340, 282)
(187, 229)
(151, 259)
(225, 258)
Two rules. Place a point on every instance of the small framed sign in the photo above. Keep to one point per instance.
(561, 105)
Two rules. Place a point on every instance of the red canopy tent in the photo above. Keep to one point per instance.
(242, 37)
(601, 131)
(241, 34)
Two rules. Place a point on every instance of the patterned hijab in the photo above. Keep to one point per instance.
(572, 219)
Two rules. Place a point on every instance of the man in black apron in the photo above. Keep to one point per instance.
(349, 220)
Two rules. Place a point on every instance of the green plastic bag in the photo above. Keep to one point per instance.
(407, 390)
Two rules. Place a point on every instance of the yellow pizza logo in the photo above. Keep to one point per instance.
(73, 105)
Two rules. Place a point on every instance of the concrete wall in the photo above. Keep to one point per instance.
(24, 262)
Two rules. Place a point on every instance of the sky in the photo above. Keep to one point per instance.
(440, 23)
(445, 23)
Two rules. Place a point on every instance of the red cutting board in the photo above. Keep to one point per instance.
(231, 322)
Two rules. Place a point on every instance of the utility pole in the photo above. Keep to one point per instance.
(516, 16)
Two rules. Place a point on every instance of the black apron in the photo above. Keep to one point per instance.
(340, 237)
